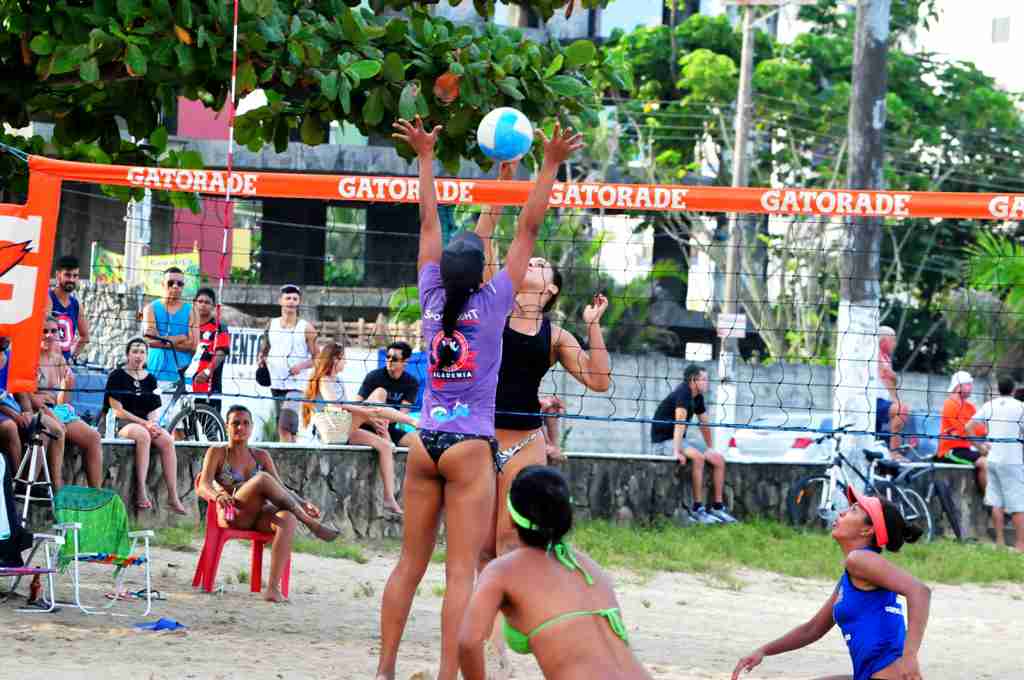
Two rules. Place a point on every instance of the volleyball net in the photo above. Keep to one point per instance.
(658, 252)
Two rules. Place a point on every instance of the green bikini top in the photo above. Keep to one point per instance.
(518, 641)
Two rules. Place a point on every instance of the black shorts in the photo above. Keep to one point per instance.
(394, 432)
(961, 456)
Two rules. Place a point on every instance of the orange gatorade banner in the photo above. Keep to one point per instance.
(586, 195)
(27, 236)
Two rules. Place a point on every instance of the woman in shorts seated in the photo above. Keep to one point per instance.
(53, 397)
(244, 486)
(327, 391)
(131, 394)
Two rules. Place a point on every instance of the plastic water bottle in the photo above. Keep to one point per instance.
(111, 427)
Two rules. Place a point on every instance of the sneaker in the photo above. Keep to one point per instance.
(723, 516)
(702, 516)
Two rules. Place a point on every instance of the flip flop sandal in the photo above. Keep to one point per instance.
(155, 595)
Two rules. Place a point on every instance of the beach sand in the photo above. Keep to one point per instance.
(683, 626)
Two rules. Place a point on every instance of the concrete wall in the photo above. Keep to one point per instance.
(345, 483)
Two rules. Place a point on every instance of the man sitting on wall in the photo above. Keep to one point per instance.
(395, 387)
(667, 438)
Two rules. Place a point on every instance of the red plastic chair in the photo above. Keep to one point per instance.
(213, 546)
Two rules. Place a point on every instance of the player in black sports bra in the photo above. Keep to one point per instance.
(531, 346)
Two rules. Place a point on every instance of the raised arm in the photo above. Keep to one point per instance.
(422, 142)
(556, 150)
(801, 636)
(489, 219)
(593, 368)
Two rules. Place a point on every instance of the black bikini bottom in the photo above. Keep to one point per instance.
(436, 443)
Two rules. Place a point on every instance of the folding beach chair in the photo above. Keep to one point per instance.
(94, 524)
(14, 539)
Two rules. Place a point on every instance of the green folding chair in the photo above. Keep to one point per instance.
(94, 524)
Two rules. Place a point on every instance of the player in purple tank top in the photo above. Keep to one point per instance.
(451, 464)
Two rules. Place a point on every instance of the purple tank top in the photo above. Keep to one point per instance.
(460, 397)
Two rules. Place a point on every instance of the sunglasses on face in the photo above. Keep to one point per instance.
(398, 359)
(51, 331)
(175, 284)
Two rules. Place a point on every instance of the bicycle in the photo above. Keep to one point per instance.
(920, 469)
(816, 501)
(200, 422)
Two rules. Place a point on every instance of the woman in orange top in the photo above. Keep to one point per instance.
(954, 447)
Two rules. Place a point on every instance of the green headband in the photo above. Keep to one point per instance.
(517, 518)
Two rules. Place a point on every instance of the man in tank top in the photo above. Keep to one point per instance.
(292, 349)
(171, 318)
(74, 326)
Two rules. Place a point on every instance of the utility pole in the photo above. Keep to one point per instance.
(731, 326)
(726, 396)
(860, 290)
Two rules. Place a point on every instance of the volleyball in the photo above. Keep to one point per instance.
(505, 134)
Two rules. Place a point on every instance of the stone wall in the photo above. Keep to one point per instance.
(345, 483)
(114, 317)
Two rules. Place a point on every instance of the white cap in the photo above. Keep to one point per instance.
(960, 378)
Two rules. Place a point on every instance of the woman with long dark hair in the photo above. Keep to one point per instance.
(864, 602)
(565, 612)
(451, 464)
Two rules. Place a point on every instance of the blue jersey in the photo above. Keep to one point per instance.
(67, 320)
(872, 624)
(165, 363)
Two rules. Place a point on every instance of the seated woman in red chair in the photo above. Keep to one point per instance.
(246, 489)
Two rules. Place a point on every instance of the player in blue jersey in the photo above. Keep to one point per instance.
(865, 602)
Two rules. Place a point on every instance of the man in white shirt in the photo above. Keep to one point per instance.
(1004, 417)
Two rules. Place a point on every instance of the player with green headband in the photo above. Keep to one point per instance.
(566, 613)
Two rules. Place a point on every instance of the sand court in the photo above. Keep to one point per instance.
(683, 626)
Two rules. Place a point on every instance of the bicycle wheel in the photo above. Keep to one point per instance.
(911, 506)
(949, 508)
(804, 502)
(201, 423)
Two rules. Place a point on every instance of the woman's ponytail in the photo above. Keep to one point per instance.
(454, 302)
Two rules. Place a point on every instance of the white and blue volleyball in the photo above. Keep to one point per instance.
(505, 134)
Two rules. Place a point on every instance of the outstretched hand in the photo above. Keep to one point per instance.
(563, 143)
(507, 169)
(421, 141)
(748, 663)
(593, 312)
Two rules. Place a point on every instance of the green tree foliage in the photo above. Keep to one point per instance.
(949, 128)
(86, 66)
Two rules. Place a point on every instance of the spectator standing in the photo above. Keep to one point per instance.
(1003, 417)
(74, 326)
(681, 405)
(954, 447)
(293, 347)
(212, 350)
(172, 318)
(891, 413)
(393, 386)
